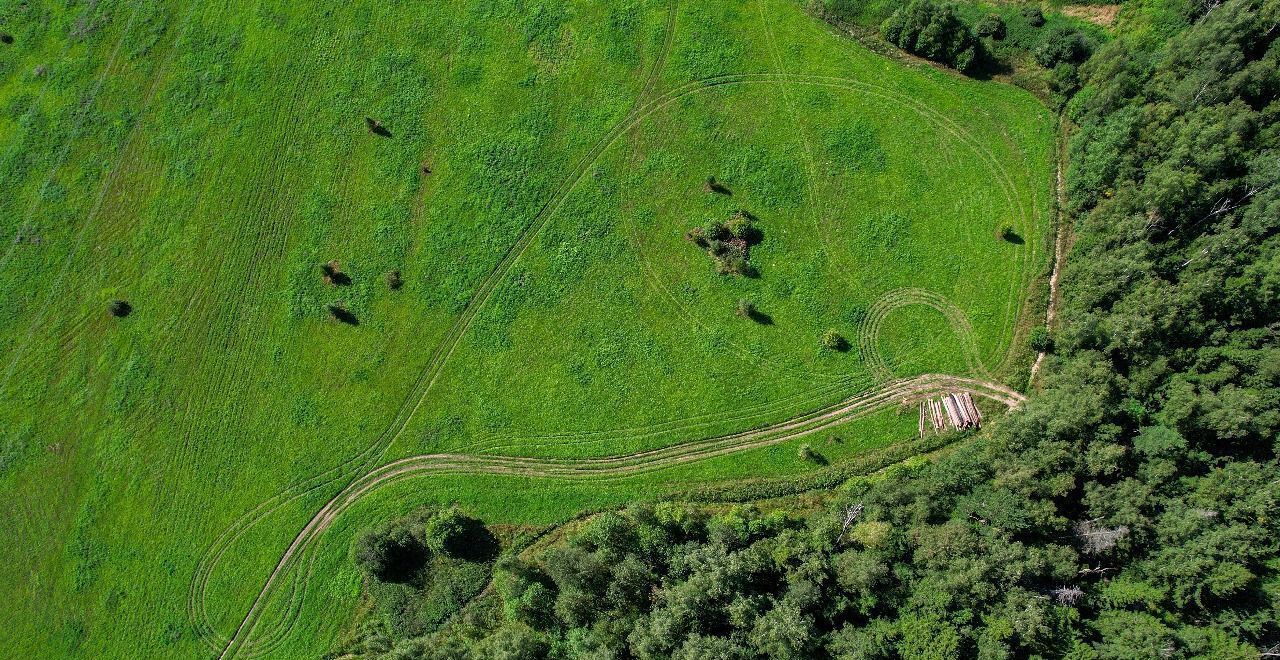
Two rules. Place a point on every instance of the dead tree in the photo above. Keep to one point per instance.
(851, 514)
(1097, 539)
(1068, 595)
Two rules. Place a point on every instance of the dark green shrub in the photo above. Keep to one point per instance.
(834, 341)
(933, 31)
(120, 308)
(1062, 46)
(1041, 341)
(1033, 15)
(991, 26)
(390, 553)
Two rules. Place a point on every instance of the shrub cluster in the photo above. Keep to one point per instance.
(933, 31)
(728, 243)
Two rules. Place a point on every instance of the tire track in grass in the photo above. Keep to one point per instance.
(687, 426)
(1023, 219)
(270, 242)
(617, 467)
(448, 345)
(440, 354)
(24, 225)
(279, 209)
(76, 129)
(890, 301)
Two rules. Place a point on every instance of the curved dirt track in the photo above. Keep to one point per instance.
(891, 394)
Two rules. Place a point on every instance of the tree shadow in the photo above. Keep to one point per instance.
(120, 308)
(6, 38)
(404, 562)
(760, 317)
(987, 67)
(342, 315)
(334, 276)
(713, 186)
(475, 542)
(376, 127)
(1012, 237)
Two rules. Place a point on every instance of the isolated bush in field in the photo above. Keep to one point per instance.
(1007, 233)
(376, 127)
(933, 31)
(119, 308)
(834, 341)
(728, 242)
(394, 281)
(807, 454)
(1062, 46)
(331, 273)
(1041, 340)
(991, 26)
(6, 38)
(1033, 15)
(745, 308)
(716, 187)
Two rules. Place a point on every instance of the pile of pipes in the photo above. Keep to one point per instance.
(949, 412)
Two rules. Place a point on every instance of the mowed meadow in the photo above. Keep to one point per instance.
(529, 189)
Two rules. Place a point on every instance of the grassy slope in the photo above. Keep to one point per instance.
(222, 155)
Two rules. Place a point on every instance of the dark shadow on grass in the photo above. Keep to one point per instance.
(343, 315)
(713, 186)
(475, 542)
(376, 127)
(760, 317)
(334, 276)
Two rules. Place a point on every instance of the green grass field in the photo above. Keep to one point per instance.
(202, 160)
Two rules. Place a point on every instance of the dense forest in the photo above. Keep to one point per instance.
(1130, 509)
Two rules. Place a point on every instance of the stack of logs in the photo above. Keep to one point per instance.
(950, 412)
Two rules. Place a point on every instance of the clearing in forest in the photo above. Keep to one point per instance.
(379, 254)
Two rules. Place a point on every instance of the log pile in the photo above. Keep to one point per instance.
(950, 412)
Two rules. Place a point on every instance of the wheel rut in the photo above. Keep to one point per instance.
(363, 474)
